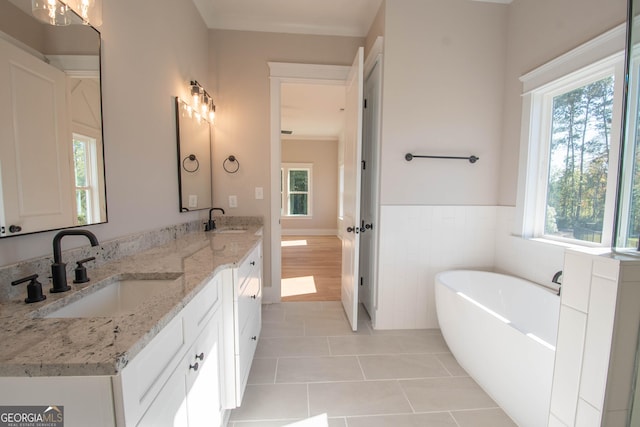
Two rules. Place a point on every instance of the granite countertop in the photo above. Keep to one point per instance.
(36, 346)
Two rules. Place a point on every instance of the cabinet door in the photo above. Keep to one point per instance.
(35, 197)
(204, 403)
(169, 409)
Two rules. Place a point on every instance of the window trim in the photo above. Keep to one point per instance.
(284, 194)
(91, 164)
(598, 57)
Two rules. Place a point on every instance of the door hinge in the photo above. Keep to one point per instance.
(361, 281)
(364, 165)
(365, 103)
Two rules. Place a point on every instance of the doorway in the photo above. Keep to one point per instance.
(312, 122)
(280, 74)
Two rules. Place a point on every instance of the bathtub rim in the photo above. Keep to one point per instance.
(498, 316)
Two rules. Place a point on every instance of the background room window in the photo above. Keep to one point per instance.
(341, 191)
(571, 121)
(86, 179)
(296, 189)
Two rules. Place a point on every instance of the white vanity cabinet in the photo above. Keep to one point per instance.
(242, 302)
(191, 396)
(176, 379)
(189, 374)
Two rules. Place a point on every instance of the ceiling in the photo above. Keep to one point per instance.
(325, 17)
(312, 111)
(321, 118)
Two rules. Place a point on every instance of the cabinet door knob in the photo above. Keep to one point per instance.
(253, 296)
(200, 356)
(195, 366)
(252, 263)
(253, 338)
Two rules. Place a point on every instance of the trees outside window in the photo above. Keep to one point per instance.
(579, 161)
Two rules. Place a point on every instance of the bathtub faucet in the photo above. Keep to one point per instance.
(557, 281)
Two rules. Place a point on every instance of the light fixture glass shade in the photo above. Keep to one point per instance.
(52, 12)
(89, 10)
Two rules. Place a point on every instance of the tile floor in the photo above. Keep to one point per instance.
(309, 362)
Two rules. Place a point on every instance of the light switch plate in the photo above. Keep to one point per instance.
(193, 200)
(259, 193)
(233, 201)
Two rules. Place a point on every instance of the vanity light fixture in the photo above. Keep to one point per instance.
(53, 12)
(89, 10)
(58, 12)
(202, 102)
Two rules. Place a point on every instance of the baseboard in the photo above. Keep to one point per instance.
(309, 232)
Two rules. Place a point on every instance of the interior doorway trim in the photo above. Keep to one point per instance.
(279, 73)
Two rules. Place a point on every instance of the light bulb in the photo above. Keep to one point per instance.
(52, 12)
(195, 93)
(205, 105)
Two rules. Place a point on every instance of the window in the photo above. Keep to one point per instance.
(86, 179)
(571, 120)
(628, 231)
(578, 160)
(295, 186)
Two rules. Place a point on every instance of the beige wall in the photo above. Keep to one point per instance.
(376, 30)
(238, 63)
(323, 155)
(146, 62)
(538, 31)
(442, 95)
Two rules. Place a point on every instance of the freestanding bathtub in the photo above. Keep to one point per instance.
(502, 330)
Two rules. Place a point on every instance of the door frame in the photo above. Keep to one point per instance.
(279, 73)
(374, 59)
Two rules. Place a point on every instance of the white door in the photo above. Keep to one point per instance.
(368, 214)
(352, 182)
(35, 160)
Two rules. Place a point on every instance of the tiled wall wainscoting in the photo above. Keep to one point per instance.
(597, 339)
(416, 243)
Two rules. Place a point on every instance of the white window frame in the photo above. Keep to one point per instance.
(286, 167)
(625, 191)
(590, 62)
(93, 198)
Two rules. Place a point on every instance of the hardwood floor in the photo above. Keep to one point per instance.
(311, 268)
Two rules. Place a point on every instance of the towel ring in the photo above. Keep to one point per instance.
(231, 159)
(193, 158)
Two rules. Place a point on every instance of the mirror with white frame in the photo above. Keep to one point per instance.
(51, 144)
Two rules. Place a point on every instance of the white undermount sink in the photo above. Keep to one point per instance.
(230, 230)
(121, 296)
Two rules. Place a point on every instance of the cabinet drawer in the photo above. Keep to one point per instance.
(248, 344)
(248, 303)
(250, 266)
(200, 309)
